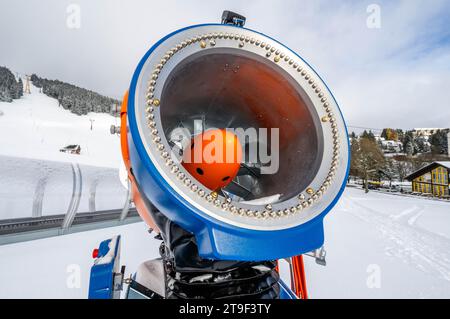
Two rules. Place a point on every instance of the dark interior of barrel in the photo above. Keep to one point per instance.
(230, 88)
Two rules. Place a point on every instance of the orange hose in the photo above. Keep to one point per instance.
(299, 280)
(299, 277)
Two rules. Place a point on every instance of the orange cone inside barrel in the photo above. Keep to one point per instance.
(213, 158)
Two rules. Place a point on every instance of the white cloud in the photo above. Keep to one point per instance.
(394, 76)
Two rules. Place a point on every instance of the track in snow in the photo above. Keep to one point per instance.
(423, 249)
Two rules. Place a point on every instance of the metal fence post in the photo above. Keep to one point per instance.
(92, 192)
(76, 196)
(126, 206)
(39, 197)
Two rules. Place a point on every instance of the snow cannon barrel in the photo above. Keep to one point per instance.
(294, 145)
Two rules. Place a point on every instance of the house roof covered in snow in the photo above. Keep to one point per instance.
(427, 168)
(445, 164)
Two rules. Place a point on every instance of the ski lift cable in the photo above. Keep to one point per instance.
(373, 128)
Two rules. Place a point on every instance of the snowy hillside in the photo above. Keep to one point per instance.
(378, 246)
(34, 126)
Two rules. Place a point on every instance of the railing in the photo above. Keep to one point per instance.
(40, 198)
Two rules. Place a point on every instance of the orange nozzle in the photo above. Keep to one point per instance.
(213, 158)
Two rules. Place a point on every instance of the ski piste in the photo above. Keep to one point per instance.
(225, 225)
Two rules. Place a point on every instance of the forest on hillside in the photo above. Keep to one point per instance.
(73, 98)
(78, 100)
(10, 87)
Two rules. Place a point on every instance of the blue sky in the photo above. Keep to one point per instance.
(397, 75)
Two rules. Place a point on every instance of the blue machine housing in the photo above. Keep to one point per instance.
(101, 283)
(216, 239)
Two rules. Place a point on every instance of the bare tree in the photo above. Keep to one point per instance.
(402, 169)
(366, 159)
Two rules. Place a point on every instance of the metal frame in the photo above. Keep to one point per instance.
(76, 195)
(27, 229)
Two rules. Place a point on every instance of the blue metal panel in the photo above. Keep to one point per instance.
(286, 292)
(216, 239)
(101, 283)
(103, 248)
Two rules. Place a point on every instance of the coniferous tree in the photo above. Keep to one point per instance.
(421, 145)
(439, 142)
(408, 143)
(20, 88)
(400, 135)
(78, 100)
(10, 88)
(369, 135)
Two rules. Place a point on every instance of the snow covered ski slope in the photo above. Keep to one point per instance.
(34, 126)
(378, 246)
(33, 129)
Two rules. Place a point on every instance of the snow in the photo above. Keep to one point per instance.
(34, 126)
(109, 257)
(404, 240)
(32, 131)
(59, 267)
(24, 180)
(378, 245)
(446, 163)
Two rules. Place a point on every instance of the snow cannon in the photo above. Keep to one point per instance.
(288, 136)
